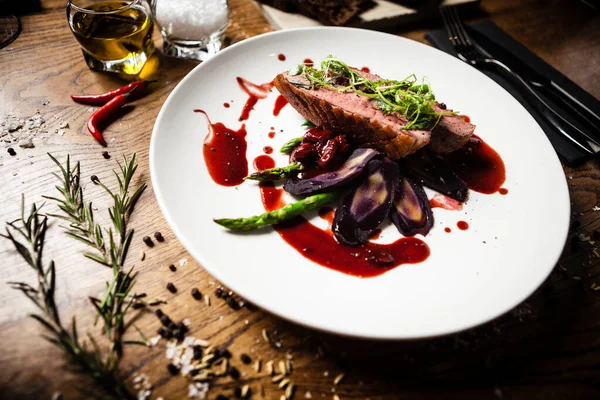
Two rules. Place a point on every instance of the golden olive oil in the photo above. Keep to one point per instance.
(115, 37)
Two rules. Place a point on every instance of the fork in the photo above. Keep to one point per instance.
(468, 51)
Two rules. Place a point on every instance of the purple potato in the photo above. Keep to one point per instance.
(411, 212)
(436, 174)
(350, 170)
(363, 208)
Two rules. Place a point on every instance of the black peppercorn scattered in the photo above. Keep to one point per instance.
(196, 294)
(171, 288)
(166, 321)
(94, 179)
(182, 327)
(173, 370)
(148, 241)
(222, 352)
(234, 373)
(164, 333)
(105, 155)
(11, 151)
(237, 392)
(172, 268)
(197, 352)
(159, 237)
(219, 292)
(442, 106)
(245, 358)
(233, 303)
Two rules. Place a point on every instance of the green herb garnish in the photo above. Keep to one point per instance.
(407, 97)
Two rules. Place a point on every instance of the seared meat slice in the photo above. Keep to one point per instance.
(356, 116)
(451, 133)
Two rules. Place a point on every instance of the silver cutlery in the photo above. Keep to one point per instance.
(468, 51)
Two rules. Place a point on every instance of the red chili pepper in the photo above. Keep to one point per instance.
(104, 112)
(100, 99)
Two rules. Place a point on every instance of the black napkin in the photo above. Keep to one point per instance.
(568, 152)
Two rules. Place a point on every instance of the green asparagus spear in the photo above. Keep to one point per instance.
(290, 145)
(277, 216)
(273, 174)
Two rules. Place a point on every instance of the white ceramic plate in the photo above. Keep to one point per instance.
(470, 277)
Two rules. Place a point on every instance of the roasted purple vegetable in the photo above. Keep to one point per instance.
(351, 169)
(363, 208)
(411, 212)
(435, 173)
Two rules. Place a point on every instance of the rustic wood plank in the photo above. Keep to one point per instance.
(549, 347)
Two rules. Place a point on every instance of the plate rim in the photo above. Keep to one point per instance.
(300, 321)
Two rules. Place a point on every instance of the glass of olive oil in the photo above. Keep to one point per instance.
(115, 36)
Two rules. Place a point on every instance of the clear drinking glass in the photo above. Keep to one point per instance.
(191, 28)
(115, 36)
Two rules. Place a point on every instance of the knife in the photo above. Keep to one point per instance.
(539, 82)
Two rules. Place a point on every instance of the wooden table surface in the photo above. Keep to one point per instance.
(547, 348)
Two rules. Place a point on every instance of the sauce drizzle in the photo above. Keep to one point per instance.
(462, 225)
(225, 153)
(480, 166)
(440, 201)
(263, 162)
(368, 260)
(255, 93)
(280, 102)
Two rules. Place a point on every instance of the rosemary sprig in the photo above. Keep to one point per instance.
(80, 357)
(406, 97)
(117, 299)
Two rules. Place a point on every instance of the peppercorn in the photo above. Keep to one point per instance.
(105, 155)
(173, 369)
(164, 333)
(172, 268)
(237, 392)
(159, 237)
(245, 358)
(233, 303)
(222, 352)
(148, 241)
(166, 321)
(196, 294)
(234, 373)
(219, 292)
(182, 327)
(94, 179)
(197, 352)
(11, 151)
(171, 288)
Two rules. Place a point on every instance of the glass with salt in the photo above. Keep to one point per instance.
(191, 28)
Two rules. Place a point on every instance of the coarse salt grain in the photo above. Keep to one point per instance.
(191, 19)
